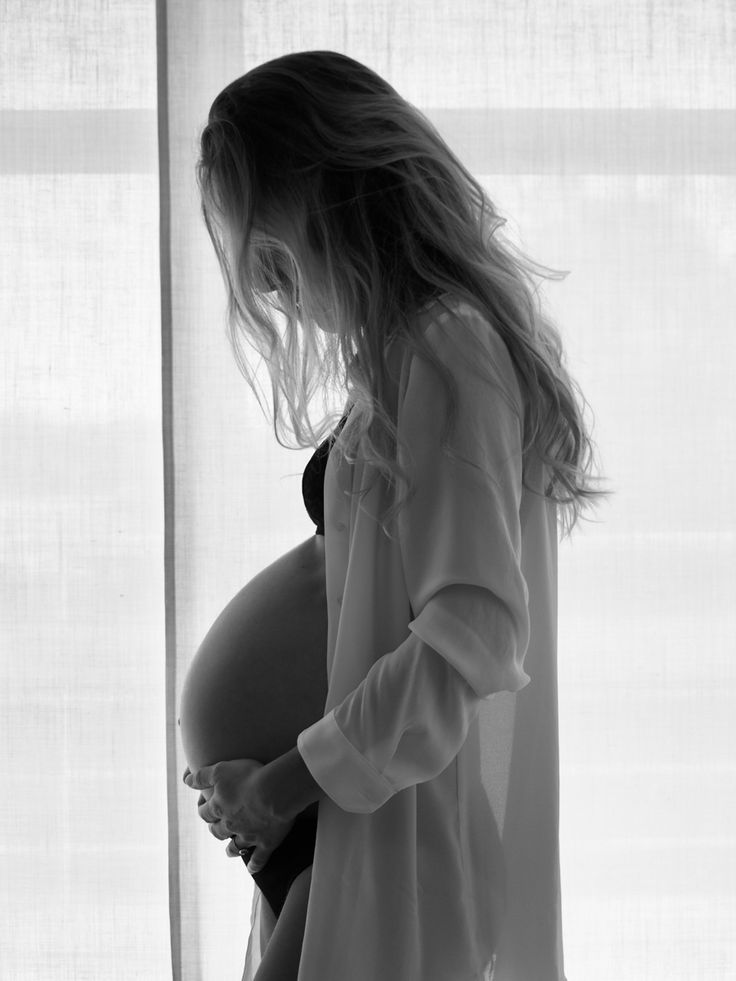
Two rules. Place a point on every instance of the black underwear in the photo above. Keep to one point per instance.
(293, 855)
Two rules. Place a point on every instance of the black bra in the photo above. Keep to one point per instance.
(313, 480)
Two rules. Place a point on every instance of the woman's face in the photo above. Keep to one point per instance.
(292, 234)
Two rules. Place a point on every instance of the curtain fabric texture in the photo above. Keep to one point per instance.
(83, 853)
(605, 134)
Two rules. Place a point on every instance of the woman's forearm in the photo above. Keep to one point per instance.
(290, 784)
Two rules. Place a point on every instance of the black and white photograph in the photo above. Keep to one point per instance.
(368, 441)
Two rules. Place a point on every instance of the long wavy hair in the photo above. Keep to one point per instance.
(337, 212)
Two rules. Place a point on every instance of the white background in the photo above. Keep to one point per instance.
(605, 133)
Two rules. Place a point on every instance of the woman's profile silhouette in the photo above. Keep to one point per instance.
(372, 721)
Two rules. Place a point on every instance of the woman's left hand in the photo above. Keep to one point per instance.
(239, 808)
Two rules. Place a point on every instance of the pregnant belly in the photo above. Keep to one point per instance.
(259, 676)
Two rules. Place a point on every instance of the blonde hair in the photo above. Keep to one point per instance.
(369, 191)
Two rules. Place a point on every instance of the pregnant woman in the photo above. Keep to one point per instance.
(372, 720)
(259, 677)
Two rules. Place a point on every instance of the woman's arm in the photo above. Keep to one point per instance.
(290, 785)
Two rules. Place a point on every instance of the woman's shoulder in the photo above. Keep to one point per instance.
(456, 328)
(462, 335)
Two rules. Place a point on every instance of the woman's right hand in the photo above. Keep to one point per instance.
(206, 793)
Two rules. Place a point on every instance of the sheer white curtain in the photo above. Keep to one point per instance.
(605, 134)
(84, 866)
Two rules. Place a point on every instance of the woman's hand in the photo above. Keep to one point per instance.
(238, 807)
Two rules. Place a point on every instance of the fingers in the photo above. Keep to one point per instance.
(200, 779)
(234, 850)
(209, 810)
(234, 847)
(218, 829)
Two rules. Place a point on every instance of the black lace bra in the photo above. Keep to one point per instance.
(313, 480)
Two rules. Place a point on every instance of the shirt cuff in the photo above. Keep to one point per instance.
(344, 774)
(490, 659)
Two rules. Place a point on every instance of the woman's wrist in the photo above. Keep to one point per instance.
(290, 785)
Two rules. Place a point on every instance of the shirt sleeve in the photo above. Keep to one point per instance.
(402, 725)
(463, 526)
(460, 541)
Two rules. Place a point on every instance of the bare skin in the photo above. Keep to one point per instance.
(260, 675)
(259, 678)
(280, 961)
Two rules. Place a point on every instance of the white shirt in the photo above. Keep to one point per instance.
(438, 750)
